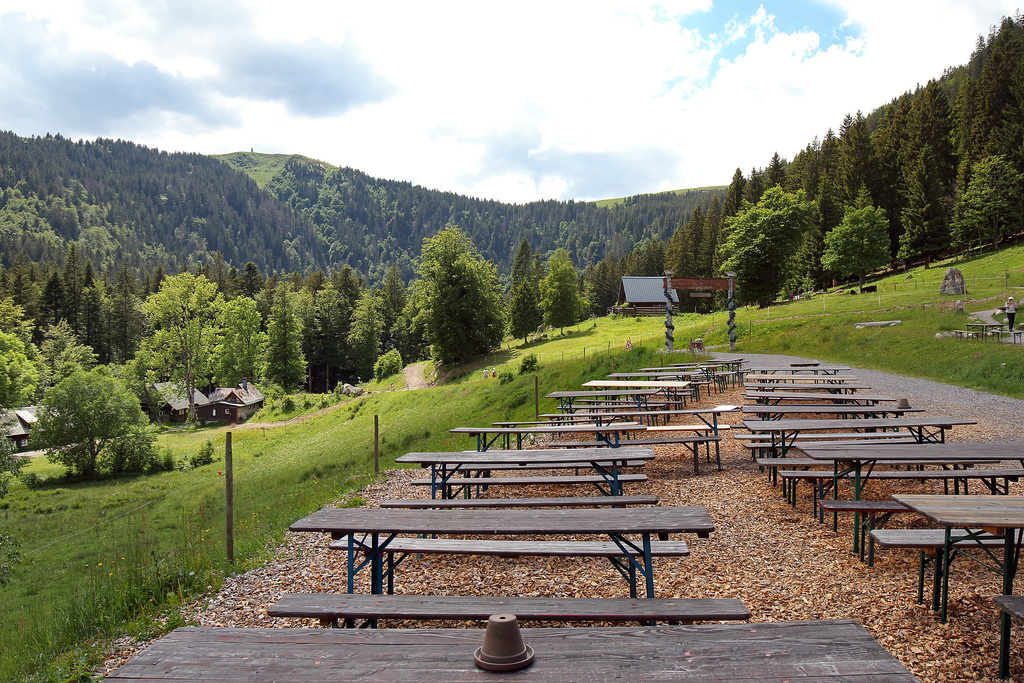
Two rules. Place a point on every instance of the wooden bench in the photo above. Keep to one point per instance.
(554, 501)
(876, 514)
(330, 608)
(400, 548)
(966, 334)
(758, 443)
(1011, 606)
(929, 543)
(693, 443)
(821, 480)
(595, 479)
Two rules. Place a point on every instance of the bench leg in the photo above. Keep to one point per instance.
(1004, 644)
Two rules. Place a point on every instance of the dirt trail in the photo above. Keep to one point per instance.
(414, 378)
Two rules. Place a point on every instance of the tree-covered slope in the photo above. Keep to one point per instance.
(122, 202)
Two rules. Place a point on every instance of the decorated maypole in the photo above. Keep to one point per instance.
(669, 327)
(731, 302)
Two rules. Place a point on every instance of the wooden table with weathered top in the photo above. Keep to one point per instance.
(370, 530)
(855, 462)
(783, 433)
(567, 399)
(831, 650)
(840, 410)
(607, 433)
(445, 465)
(769, 397)
(965, 518)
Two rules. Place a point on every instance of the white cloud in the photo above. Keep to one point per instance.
(516, 101)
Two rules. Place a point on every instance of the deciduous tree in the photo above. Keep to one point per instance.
(860, 243)
(84, 414)
(762, 241)
(560, 296)
(184, 314)
(459, 298)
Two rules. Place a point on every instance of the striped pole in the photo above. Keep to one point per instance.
(669, 327)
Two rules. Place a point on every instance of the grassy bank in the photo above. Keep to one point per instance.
(107, 558)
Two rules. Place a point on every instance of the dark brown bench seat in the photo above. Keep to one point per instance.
(875, 515)
(330, 608)
(400, 548)
(539, 480)
(1012, 606)
(929, 543)
(693, 443)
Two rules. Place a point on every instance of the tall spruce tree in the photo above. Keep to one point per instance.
(285, 364)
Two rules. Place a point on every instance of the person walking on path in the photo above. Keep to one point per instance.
(1011, 312)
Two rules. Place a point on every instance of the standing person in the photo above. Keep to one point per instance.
(1011, 312)
(485, 373)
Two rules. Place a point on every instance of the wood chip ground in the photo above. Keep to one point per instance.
(778, 560)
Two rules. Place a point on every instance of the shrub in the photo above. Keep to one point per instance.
(288, 404)
(388, 364)
(133, 453)
(204, 456)
(529, 364)
(505, 378)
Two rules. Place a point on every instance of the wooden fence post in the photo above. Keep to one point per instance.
(229, 499)
(536, 397)
(376, 445)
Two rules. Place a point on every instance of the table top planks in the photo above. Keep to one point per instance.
(593, 521)
(621, 427)
(939, 453)
(962, 512)
(553, 456)
(834, 650)
(822, 409)
(798, 424)
(637, 384)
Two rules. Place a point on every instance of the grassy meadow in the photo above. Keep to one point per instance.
(119, 556)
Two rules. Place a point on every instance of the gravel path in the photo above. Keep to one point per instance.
(936, 398)
(777, 559)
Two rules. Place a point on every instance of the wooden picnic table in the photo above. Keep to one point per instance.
(655, 376)
(841, 410)
(965, 518)
(796, 377)
(796, 369)
(819, 387)
(855, 463)
(608, 433)
(567, 399)
(445, 465)
(984, 328)
(783, 433)
(776, 397)
(829, 650)
(671, 389)
(370, 531)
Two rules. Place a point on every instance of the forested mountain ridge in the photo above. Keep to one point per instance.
(369, 223)
(126, 204)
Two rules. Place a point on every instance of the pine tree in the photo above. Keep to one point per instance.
(925, 227)
(72, 281)
(524, 314)
(856, 163)
(734, 195)
(285, 364)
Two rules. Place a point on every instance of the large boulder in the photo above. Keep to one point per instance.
(349, 390)
(952, 282)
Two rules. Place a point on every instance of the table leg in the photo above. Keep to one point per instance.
(1011, 557)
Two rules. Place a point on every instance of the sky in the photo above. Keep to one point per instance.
(515, 101)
